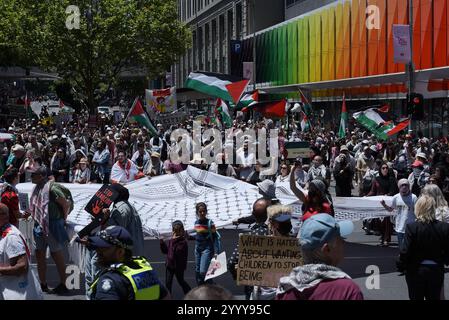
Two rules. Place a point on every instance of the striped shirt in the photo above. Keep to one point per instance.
(202, 231)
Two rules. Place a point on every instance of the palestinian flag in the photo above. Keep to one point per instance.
(225, 87)
(223, 109)
(306, 104)
(372, 120)
(269, 109)
(384, 108)
(305, 123)
(343, 120)
(138, 115)
(248, 100)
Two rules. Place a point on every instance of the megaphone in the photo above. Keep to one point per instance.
(296, 108)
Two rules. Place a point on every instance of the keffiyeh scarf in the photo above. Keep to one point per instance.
(39, 205)
(309, 276)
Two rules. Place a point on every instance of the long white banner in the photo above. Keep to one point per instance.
(161, 200)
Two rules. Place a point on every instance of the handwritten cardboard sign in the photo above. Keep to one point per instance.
(102, 199)
(263, 260)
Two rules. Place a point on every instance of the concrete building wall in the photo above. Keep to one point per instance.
(294, 8)
(214, 23)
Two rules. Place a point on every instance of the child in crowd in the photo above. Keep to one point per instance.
(177, 253)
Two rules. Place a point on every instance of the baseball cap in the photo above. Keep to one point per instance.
(112, 236)
(417, 164)
(365, 142)
(155, 154)
(343, 148)
(322, 228)
(283, 217)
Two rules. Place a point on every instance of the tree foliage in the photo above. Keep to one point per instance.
(113, 35)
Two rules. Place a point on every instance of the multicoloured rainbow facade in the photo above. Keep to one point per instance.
(334, 43)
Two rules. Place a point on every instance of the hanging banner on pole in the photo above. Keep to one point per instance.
(248, 71)
(401, 41)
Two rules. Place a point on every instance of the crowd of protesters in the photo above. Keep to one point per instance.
(359, 164)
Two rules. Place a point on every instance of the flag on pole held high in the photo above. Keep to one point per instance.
(372, 120)
(223, 86)
(137, 114)
(306, 104)
(305, 123)
(343, 119)
(223, 110)
(248, 100)
(269, 109)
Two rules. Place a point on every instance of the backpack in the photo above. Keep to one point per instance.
(67, 194)
(217, 240)
(367, 182)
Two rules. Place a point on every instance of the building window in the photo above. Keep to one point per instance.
(238, 16)
(289, 3)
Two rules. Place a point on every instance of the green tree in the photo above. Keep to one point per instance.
(113, 36)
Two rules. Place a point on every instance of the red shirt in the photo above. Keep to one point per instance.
(310, 211)
(11, 200)
(338, 289)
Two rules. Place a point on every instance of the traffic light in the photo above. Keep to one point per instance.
(415, 106)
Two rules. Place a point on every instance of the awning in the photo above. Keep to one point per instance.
(432, 83)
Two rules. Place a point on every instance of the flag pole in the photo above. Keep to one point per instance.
(129, 112)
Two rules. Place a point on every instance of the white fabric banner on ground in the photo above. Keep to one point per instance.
(162, 200)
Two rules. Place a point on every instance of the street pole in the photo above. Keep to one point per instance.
(411, 69)
(253, 2)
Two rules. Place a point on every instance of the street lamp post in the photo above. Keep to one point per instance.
(411, 68)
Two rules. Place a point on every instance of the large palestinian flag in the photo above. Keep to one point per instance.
(382, 129)
(223, 86)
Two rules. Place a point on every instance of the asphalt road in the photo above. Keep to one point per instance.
(361, 251)
(362, 256)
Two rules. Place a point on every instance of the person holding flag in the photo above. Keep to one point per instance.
(307, 106)
(222, 110)
(138, 114)
(343, 120)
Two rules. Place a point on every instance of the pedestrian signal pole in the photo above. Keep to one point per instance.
(411, 68)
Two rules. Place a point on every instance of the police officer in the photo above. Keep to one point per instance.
(125, 277)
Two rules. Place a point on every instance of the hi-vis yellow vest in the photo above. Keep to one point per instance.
(143, 280)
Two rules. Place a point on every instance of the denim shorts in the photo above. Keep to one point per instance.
(41, 242)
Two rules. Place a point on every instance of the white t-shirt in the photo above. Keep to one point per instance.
(405, 214)
(24, 287)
